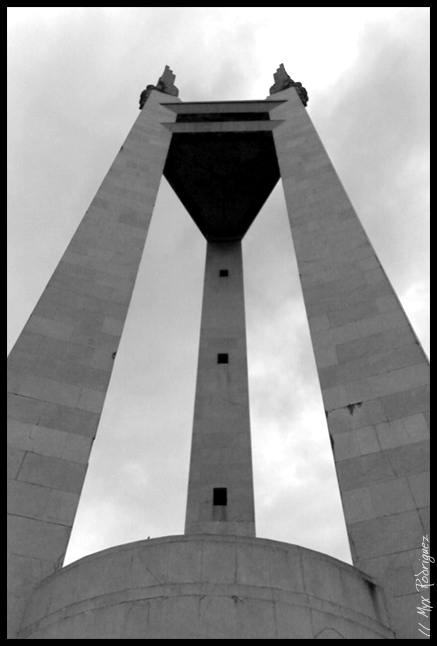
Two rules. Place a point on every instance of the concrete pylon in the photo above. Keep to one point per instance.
(60, 366)
(220, 488)
(373, 373)
(218, 580)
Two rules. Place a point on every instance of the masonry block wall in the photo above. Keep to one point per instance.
(60, 367)
(373, 373)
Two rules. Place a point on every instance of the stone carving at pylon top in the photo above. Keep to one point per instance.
(283, 81)
(165, 84)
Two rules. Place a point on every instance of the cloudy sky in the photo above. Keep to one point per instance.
(75, 75)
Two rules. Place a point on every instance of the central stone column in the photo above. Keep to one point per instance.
(220, 489)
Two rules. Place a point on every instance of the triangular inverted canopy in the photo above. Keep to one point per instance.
(222, 175)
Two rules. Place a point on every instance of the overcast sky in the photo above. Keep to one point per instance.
(75, 76)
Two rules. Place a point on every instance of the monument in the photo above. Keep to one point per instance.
(217, 580)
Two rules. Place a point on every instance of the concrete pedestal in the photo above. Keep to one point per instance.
(207, 587)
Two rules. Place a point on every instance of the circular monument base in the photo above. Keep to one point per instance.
(207, 587)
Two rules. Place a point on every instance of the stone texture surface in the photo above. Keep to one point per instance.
(60, 367)
(221, 447)
(373, 373)
(207, 587)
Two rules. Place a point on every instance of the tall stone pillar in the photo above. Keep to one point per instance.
(372, 370)
(220, 489)
(60, 367)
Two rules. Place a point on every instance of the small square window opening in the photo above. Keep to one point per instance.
(224, 272)
(222, 357)
(220, 496)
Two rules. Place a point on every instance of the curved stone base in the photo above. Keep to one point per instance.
(207, 587)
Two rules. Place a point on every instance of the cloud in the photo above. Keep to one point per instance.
(376, 119)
